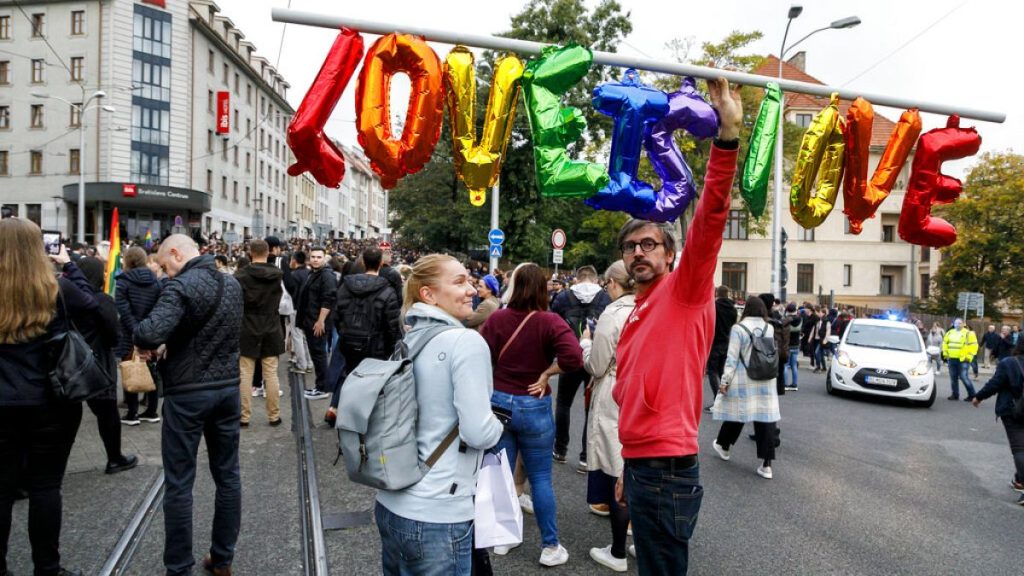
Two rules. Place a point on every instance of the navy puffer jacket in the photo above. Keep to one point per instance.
(137, 292)
(1006, 384)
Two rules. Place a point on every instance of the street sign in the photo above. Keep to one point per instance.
(495, 250)
(496, 236)
(558, 239)
(556, 255)
(178, 221)
(971, 301)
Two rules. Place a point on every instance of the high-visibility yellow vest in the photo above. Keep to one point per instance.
(960, 345)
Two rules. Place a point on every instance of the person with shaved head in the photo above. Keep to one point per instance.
(194, 329)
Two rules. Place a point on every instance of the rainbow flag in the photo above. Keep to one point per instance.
(114, 257)
(149, 239)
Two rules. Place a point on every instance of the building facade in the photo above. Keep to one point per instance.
(875, 269)
(363, 203)
(184, 131)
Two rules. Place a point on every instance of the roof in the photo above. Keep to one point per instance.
(881, 129)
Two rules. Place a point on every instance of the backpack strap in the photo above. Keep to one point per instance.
(516, 333)
(442, 447)
(413, 353)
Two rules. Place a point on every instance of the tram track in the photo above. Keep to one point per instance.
(313, 545)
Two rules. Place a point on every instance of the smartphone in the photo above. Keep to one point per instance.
(51, 241)
(591, 325)
(504, 415)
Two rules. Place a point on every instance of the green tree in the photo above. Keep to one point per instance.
(987, 256)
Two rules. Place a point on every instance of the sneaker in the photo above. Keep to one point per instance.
(1020, 501)
(581, 468)
(722, 452)
(502, 550)
(603, 556)
(243, 424)
(632, 550)
(130, 420)
(66, 572)
(315, 394)
(257, 392)
(276, 422)
(953, 398)
(151, 418)
(600, 509)
(558, 457)
(707, 409)
(969, 398)
(629, 532)
(1017, 486)
(331, 417)
(280, 392)
(526, 503)
(554, 556)
(765, 472)
(125, 463)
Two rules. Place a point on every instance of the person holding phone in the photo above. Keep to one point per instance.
(528, 346)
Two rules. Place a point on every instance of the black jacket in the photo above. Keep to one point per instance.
(199, 356)
(319, 290)
(725, 317)
(24, 372)
(261, 325)
(294, 281)
(795, 323)
(386, 308)
(137, 292)
(1006, 384)
(1004, 347)
(394, 278)
(100, 330)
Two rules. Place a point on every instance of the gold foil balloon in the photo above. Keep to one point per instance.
(478, 165)
(819, 168)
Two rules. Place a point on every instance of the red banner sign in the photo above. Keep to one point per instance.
(223, 112)
(129, 190)
(159, 3)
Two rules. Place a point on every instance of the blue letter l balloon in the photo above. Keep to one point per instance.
(632, 105)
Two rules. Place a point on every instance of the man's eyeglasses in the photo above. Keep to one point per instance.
(647, 244)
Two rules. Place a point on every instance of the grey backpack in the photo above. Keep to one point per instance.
(377, 415)
(764, 357)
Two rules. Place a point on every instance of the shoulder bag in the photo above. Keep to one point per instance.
(76, 374)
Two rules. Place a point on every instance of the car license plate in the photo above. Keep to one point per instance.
(882, 381)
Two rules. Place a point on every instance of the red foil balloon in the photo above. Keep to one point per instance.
(861, 198)
(394, 158)
(929, 186)
(314, 151)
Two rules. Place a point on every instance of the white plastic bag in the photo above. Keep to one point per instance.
(498, 519)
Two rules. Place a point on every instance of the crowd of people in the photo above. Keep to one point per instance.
(212, 321)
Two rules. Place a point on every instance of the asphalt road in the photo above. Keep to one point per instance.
(861, 487)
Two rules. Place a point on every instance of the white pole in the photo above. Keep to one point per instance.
(495, 200)
(81, 176)
(613, 59)
(776, 277)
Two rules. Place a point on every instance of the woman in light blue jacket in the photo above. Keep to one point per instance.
(427, 528)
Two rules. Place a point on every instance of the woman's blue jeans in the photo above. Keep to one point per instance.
(532, 431)
(793, 364)
(412, 548)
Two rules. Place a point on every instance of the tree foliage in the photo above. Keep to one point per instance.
(987, 256)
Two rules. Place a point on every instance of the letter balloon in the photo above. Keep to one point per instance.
(687, 110)
(314, 151)
(819, 168)
(478, 165)
(861, 198)
(929, 186)
(758, 165)
(389, 157)
(633, 106)
(554, 127)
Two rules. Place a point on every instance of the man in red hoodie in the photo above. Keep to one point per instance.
(661, 356)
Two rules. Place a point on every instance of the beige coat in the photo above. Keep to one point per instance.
(487, 307)
(604, 452)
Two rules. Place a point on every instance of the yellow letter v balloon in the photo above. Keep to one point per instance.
(819, 168)
(479, 165)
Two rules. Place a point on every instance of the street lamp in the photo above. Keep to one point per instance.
(81, 109)
(794, 11)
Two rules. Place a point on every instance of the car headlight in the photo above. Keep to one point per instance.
(844, 360)
(921, 369)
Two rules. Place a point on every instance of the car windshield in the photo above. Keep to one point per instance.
(884, 337)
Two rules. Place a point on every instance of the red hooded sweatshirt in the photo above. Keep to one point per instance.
(665, 343)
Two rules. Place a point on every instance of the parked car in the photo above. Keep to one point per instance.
(882, 358)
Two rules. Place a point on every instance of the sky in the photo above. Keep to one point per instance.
(953, 52)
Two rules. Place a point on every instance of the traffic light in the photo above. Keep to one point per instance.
(784, 271)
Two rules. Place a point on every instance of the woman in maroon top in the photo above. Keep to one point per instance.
(528, 346)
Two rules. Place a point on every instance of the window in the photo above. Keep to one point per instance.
(236, 154)
(223, 149)
(5, 27)
(149, 165)
(926, 285)
(806, 234)
(209, 100)
(926, 254)
(76, 115)
(5, 71)
(35, 162)
(4, 166)
(248, 94)
(152, 79)
(209, 141)
(236, 82)
(248, 162)
(77, 65)
(74, 161)
(77, 22)
(38, 25)
(5, 117)
(248, 196)
(805, 278)
(248, 128)
(236, 119)
(261, 169)
(34, 212)
(847, 274)
(235, 191)
(151, 125)
(804, 120)
(213, 60)
(736, 225)
(734, 276)
(209, 181)
(37, 116)
(38, 66)
(223, 186)
(886, 287)
(227, 70)
(888, 233)
(152, 32)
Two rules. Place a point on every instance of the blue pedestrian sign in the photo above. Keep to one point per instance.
(496, 236)
(495, 250)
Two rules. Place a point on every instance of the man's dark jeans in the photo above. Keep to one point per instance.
(35, 442)
(568, 385)
(714, 368)
(318, 354)
(213, 415)
(1015, 435)
(663, 505)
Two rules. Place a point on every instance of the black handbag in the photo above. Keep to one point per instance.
(77, 374)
